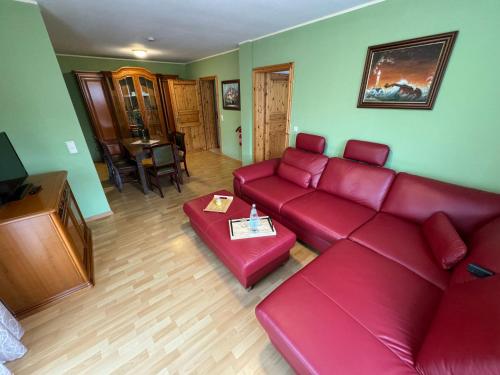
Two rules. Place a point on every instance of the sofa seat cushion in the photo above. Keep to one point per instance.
(273, 192)
(326, 215)
(403, 242)
(464, 337)
(317, 337)
(350, 309)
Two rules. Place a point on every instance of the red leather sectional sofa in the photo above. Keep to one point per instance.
(378, 300)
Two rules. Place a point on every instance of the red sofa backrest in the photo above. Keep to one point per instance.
(416, 198)
(307, 156)
(356, 180)
(364, 184)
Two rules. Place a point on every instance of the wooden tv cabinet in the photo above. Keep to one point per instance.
(45, 247)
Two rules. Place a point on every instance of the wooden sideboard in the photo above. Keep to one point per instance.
(45, 247)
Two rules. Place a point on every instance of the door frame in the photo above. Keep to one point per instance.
(269, 69)
(217, 109)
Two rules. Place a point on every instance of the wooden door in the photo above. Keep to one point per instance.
(209, 109)
(272, 88)
(187, 112)
(99, 105)
(276, 112)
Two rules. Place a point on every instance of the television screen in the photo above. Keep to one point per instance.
(12, 171)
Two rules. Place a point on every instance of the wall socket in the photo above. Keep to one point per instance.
(71, 146)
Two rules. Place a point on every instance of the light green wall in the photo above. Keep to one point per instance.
(225, 67)
(458, 141)
(70, 63)
(36, 110)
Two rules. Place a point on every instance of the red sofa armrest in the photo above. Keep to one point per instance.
(255, 171)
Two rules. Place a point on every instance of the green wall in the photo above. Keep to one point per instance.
(458, 141)
(36, 109)
(225, 67)
(70, 63)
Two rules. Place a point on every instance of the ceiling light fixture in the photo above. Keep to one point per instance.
(139, 53)
(151, 38)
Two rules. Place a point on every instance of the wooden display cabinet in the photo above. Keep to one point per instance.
(45, 247)
(140, 101)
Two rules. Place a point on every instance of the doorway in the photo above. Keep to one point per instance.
(272, 88)
(208, 96)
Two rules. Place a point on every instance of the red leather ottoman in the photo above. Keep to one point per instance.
(248, 259)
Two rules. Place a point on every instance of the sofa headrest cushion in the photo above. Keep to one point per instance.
(311, 143)
(366, 152)
(446, 245)
(295, 175)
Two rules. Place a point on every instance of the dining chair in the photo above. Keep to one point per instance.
(120, 168)
(164, 163)
(179, 139)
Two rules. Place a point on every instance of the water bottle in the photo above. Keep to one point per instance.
(254, 219)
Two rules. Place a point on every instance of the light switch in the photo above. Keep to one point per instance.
(296, 129)
(71, 146)
(222, 117)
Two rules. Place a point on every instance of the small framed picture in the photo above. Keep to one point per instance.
(405, 74)
(231, 94)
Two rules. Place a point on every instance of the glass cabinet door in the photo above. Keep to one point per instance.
(130, 100)
(140, 100)
(151, 109)
(75, 225)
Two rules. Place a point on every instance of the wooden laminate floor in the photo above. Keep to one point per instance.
(163, 303)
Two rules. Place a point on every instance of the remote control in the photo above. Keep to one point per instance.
(479, 271)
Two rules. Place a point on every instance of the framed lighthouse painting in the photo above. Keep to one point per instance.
(405, 74)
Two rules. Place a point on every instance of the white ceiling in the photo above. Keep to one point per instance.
(185, 30)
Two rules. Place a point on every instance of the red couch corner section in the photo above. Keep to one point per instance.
(376, 301)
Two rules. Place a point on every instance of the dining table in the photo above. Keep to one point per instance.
(138, 150)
